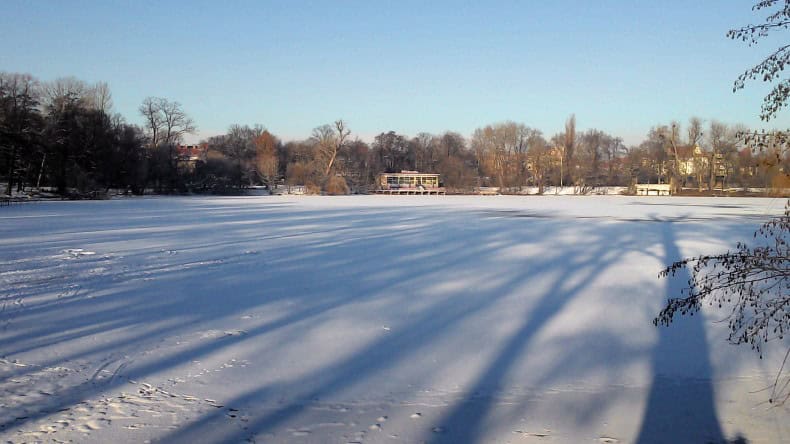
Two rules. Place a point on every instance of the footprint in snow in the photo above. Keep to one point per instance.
(77, 252)
(543, 434)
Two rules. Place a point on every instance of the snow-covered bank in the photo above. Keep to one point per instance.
(370, 319)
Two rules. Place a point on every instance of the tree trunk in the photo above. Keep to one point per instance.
(331, 162)
(11, 165)
(41, 171)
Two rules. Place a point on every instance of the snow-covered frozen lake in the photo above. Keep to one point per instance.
(371, 319)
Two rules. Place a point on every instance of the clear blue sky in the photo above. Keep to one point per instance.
(407, 66)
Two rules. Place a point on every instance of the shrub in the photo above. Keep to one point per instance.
(336, 186)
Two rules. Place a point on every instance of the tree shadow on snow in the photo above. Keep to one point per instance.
(680, 409)
(75, 318)
(361, 256)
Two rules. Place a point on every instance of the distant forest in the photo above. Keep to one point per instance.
(64, 137)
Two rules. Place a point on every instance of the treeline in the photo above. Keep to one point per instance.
(63, 136)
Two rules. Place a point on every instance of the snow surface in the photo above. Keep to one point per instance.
(371, 319)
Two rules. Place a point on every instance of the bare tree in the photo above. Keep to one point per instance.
(653, 156)
(239, 146)
(592, 142)
(149, 109)
(329, 140)
(569, 143)
(523, 136)
(595, 148)
(266, 158)
(501, 151)
(391, 152)
(166, 122)
(670, 135)
(539, 160)
(54, 92)
(717, 138)
(482, 143)
(175, 121)
(771, 68)
(324, 139)
(694, 131)
(699, 161)
(613, 149)
(456, 163)
(425, 152)
(100, 97)
(773, 150)
(19, 120)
